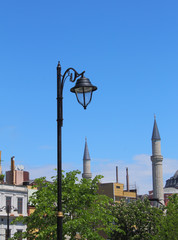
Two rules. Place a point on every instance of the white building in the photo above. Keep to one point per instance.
(16, 198)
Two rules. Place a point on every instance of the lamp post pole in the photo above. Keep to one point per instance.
(82, 87)
(7, 208)
(59, 154)
(8, 232)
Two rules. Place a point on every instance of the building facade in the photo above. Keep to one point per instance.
(172, 182)
(14, 198)
(17, 175)
(116, 192)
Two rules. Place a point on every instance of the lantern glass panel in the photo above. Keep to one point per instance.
(84, 95)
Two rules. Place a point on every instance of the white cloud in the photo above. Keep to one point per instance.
(47, 171)
(170, 166)
(44, 171)
(140, 171)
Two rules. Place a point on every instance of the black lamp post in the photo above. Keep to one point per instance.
(8, 211)
(8, 208)
(83, 90)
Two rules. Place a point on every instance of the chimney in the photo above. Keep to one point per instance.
(13, 169)
(116, 174)
(0, 164)
(127, 179)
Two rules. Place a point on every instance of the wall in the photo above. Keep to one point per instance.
(14, 192)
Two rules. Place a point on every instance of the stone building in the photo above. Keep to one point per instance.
(16, 175)
(116, 191)
(173, 181)
(15, 199)
(171, 187)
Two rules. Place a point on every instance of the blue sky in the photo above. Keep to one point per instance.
(129, 50)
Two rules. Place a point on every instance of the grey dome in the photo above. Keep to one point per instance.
(175, 175)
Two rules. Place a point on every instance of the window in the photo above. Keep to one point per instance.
(20, 234)
(19, 207)
(117, 186)
(117, 198)
(8, 203)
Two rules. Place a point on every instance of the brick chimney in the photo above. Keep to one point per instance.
(0, 164)
(116, 174)
(127, 179)
(13, 169)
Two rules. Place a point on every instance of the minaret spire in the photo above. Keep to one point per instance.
(0, 164)
(157, 158)
(86, 162)
(155, 134)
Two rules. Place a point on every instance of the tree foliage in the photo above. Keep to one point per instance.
(89, 214)
(137, 220)
(169, 223)
(85, 211)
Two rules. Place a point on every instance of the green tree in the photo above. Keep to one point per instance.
(136, 220)
(85, 211)
(169, 224)
(2, 177)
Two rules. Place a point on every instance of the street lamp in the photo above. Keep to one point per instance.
(8, 208)
(83, 91)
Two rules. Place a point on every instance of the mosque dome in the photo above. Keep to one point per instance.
(175, 175)
(173, 181)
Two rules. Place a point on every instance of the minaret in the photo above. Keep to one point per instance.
(157, 171)
(0, 164)
(86, 162)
